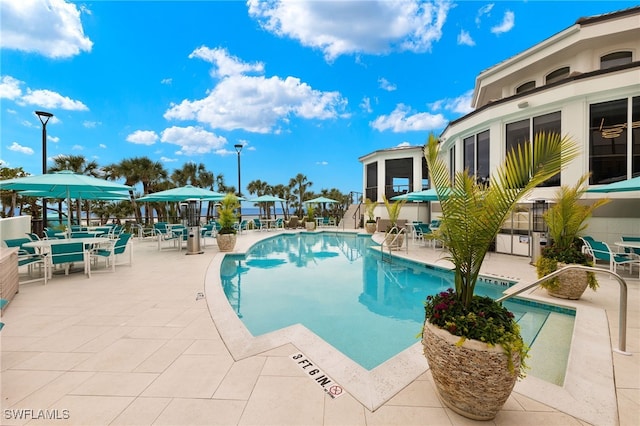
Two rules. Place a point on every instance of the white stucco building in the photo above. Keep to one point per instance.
(583, 82)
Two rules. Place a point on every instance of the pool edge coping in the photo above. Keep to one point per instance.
(579, 396)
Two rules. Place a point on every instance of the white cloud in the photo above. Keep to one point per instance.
(365, 105)
(386, 85)
(403, 144)
(77, 148)
(460, 105)
(167, 81)
(351, 27)
(16, 147)
(484, 10)
(322, 163)
(51, 100)
(225, 64)
(256, 103)
(91, 124)
(53, 139)
(193, 140)
(143, 137)
(10, 87)
(465, 38)
(51, 28)
(102, 146)
(402, 119)
(508, 21)
(168, 160)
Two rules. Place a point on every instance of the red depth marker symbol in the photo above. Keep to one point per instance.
(335, 390)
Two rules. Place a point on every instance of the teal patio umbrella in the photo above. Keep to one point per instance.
(183, 193)
(321, 200)
(64, 182)
(267, 199)
(620, 186)
(424, 195)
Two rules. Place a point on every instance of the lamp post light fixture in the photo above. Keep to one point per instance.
(238, 148)
(44, 119)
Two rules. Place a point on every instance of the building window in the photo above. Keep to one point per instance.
(371, 191)
(482, 157)
(529, 85)
(548, 123)
(614, 59)
(425, 174)
(557, 75)
(635, 135)
(522, 131)
(398, 176)
(476, 156)
(469, 155)
(608, 141)
(452, 164)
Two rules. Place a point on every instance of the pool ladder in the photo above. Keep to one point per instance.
(393, 244)
(622, 319)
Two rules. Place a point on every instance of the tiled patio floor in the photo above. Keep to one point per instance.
(136, 347)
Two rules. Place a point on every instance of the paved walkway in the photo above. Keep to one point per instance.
(139, 347)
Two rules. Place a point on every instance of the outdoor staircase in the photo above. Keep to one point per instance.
(347, 221)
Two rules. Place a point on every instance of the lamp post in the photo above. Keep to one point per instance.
(44, 119)
(238, 148)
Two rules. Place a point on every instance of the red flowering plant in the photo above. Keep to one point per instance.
(484, 320)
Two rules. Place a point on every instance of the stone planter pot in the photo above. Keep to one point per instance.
(472, 379)
(572, 284)
(226, 242)
(370, 227)
(310, 226)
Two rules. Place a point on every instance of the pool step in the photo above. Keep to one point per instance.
(550, 350)
(530, 325)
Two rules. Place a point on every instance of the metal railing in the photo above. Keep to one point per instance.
(394, 242)
(622, 326)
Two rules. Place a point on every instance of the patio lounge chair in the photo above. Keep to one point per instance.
(633, 250)
(293, 223)
(242, 226)
(111, 249)
(600, 251)
(162, 233)
(27, 256)
(66, 254)
(257, 224)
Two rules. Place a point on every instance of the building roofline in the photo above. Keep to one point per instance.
(572, 77)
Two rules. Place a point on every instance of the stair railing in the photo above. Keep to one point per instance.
(622, 315)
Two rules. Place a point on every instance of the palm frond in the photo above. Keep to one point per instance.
(473, 213)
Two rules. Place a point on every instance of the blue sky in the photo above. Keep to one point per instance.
(306, 86)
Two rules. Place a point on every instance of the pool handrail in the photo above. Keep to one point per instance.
(622, 315)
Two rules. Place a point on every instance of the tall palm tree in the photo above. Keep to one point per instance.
(473, 213)
(259, 188)
(139, 170)
(299, 185)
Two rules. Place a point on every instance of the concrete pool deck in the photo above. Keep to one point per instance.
(138, 347)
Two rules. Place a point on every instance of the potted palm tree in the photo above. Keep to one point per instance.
(472, 343)
(393, 238)
(566, 219)
(370, 224)
(310, 220)
(226, 237)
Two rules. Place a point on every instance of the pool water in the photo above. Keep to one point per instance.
(334, 284)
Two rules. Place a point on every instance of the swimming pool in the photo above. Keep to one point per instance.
(335, 285)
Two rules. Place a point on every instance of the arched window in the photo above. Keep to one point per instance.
(614, 59)
(526, 86)
(557, 75)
